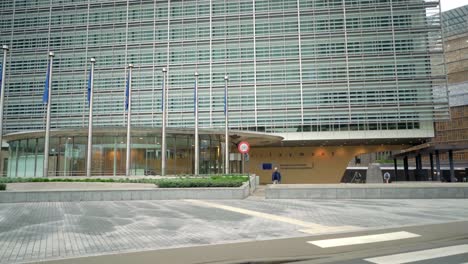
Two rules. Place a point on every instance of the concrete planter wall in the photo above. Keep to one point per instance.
(127, 195)
(368, 191)
(253, 183)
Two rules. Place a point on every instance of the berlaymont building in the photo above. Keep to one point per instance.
(312, 84)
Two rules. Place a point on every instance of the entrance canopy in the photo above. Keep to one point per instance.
(68, 155)
(430, 148)
(254, 138)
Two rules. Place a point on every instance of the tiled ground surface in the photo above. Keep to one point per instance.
(39, 231)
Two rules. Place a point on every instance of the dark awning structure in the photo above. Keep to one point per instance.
(429, 149)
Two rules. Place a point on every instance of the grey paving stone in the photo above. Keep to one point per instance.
(459, 193)
(76, 196)
(445, 192)
(415, 193)
(5, 197)
(39, 231)
(373, 193)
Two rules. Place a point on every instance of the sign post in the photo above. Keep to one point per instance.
(246, 159)
(244, 148)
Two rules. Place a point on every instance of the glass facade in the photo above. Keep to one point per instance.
(68, 155)
(293, 65)
(455, 22)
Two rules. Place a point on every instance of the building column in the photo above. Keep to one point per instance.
(431, 159)
(416, 161)
(114, 169)
(419, 168)
(405, 164)
(437, 165)
(452, 170)
(416, 171)
(396, 168)
(420, 162)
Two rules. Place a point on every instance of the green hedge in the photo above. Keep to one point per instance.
(231, 180)
(2, 186)
(198, 183)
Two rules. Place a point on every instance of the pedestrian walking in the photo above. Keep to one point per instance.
(276, 176)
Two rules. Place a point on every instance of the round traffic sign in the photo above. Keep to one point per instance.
(243, 147)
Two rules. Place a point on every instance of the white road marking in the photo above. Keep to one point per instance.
(420, 255)
(312, 228)
(357, 240)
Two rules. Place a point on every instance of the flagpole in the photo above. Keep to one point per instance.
(197, 146)
(47, 134)
(90, 122)
(2, 91)
(129, 118)
(226, 128)
(163, 143)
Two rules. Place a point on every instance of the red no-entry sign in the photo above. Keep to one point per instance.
(243, 147)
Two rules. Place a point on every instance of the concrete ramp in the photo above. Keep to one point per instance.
(374, 173)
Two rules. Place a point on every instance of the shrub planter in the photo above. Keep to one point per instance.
(217, 193)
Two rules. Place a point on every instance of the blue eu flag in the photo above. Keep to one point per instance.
(89, 86)
(127, 91)
(162, 96)
(225, 102)
(195, 91)
(45, 96)
(1, 75)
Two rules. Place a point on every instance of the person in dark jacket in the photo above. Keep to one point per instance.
(276, 176)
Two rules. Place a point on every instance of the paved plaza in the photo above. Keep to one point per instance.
(53, 230)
